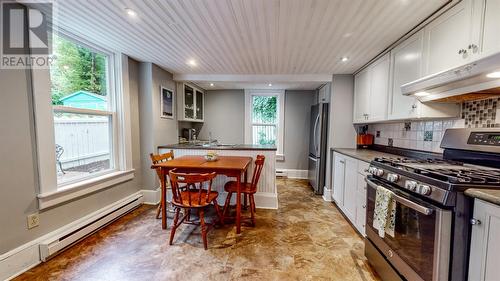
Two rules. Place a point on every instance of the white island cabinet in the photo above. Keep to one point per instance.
(266, 196)
(484, 259)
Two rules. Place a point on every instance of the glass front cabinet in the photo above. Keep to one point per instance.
(190, 103)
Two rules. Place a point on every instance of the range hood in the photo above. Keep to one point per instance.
(476, 80)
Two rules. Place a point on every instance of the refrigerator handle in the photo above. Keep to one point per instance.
(316, 135)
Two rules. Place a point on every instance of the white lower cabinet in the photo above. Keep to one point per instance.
(484, 260)
(349, 189)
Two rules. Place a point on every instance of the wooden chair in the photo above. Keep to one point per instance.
(193, 192)
(159, 158)
(247, 189)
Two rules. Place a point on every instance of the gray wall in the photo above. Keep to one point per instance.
(341, 133)
(154, 130)
(18, 186)
(297, 119)
(225, 117)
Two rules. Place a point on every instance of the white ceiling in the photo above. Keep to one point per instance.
(229, 85)
(247, 36)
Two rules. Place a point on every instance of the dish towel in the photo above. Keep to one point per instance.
(384, 217)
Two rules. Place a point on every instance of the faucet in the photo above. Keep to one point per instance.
(209, 137)
(192, 134)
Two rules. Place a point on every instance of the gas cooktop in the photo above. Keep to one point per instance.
(445, 170)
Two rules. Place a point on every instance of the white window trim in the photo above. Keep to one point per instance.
(280, 156)
(49, 193)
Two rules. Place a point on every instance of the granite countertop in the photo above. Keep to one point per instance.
(366, 155)
(219, 146)
(489, 195)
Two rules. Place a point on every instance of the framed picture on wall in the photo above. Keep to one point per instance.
(167, 103)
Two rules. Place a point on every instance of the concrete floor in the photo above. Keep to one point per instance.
(305, 239)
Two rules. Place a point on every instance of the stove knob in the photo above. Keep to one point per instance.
(371, 170)
(424, 189)
(379, 172)
(411, 185)
(392, 177)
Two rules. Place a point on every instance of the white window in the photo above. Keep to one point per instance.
(82, 135)
(83, 100)
(264, 118)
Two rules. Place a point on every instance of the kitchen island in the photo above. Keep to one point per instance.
(266, 196)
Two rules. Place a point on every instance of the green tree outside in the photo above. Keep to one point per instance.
(76, 68)
(265, 111)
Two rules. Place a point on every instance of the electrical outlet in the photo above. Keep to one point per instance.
(33, 220)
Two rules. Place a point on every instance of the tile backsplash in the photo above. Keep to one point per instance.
(481, 114)
(427, 135)
(419, 135)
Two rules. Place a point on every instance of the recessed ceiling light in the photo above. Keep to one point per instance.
(421, 94)
(270, 85)
(192, 62)
(495, 74)
(344, 59)
(130, 12)
(211, 84)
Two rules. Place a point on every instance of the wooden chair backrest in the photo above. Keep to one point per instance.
(259, 164)
(192, 184)
(159, 158)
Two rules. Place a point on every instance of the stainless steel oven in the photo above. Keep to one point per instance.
(420, 248)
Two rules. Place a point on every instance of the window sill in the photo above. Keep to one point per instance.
(82, 188)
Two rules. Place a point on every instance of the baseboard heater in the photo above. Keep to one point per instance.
(51, 247)
(281, 173)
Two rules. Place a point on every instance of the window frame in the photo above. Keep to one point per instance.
(280, 94)
(51, 193)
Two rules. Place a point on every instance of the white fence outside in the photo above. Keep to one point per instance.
(84, 140)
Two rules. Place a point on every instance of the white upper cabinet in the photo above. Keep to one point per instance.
(447, 39)
(487, 19)
(361, 96)
(371, 89)
(406, 61)
(191, 101)
(379, 89)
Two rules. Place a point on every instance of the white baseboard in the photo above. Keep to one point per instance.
(295, 174)
(151, 197)
(327, 195)
(26, 256)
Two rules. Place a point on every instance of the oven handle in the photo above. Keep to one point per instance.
(408, 203)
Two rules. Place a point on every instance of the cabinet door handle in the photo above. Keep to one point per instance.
(473, 47)
(414, 106)
(475, 222)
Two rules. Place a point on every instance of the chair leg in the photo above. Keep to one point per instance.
(226, 204)
(174, 226)
(158, 211)
(219, 214)
(245, 203)
(252, 208)
(203, 228)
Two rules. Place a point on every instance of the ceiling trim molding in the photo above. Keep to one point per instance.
(273, 78)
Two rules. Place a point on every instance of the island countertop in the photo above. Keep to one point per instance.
(218, 147)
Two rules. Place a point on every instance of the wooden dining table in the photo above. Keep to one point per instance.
(230, 166)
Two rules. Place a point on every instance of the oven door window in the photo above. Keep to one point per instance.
(414, 236)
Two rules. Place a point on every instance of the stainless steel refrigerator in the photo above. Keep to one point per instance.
(318, 146)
